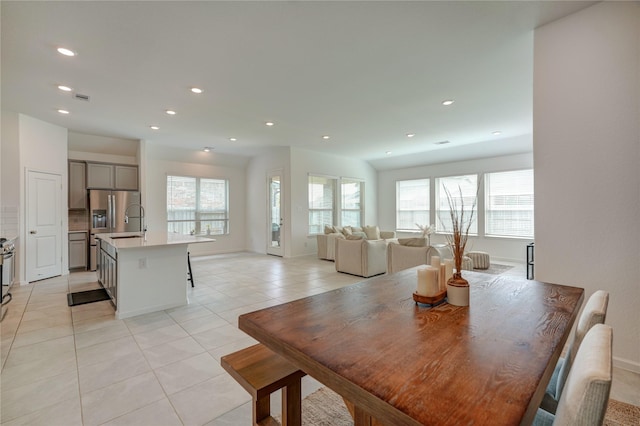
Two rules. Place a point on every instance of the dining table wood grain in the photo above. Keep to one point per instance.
(403, 363)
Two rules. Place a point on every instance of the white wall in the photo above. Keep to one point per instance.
(9, 172)
(305, 162)
(257, 199)
(512, 249)
(587, 157)
(42, 148)
(162, 161)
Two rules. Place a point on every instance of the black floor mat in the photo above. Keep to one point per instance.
(89, 296)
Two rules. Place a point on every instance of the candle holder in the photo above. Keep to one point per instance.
(429, 300)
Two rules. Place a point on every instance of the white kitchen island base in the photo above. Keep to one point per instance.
(150, 275)
(151, 279)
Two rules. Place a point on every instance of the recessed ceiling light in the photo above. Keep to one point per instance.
(496, 133)
(154, 127)
(233, 139)
(196, 90)
(269, 123)
(63, 111)
(66, 52)
(64, 88)
(388, 153)
(410, 135)
(447, 102)
(325, 137)
(442, 142)
(207, 149)
(170, 112)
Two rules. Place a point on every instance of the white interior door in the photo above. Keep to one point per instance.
(275, 240)
(43, 226)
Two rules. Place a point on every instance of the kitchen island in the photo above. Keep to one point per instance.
(143, 275)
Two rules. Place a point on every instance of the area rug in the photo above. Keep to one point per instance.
(622, 414)
(495, 269)
(324, 407)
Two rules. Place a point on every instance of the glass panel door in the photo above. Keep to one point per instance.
(275, 235)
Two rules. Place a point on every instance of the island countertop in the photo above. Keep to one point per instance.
(132, 240)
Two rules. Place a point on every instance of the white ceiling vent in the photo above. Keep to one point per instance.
(81, 97)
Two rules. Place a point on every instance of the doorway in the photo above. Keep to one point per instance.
(43, 248)
(275, 240)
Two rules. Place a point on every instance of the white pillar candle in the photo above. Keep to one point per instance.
(449, 265)
(422, 281)
(432, 281)
(435, 261)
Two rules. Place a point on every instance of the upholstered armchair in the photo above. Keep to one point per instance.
(400, 257)
(327, 245)
(361, 257)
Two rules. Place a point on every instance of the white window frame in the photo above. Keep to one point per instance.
(337, 207)
(469, 192)
(360, 210)
(426, 199)
(202, 225)
(518, 203)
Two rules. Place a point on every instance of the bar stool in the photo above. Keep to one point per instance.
(189, 273)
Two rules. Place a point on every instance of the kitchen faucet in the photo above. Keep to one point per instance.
(126, 217)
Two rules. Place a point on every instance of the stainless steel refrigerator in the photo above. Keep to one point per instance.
(106, 215)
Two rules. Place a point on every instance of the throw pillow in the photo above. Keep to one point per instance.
(357, 236)
(346, 230)
(373, 232)
(338, 229)
(356, 229)
(413, 242)
(328, 229)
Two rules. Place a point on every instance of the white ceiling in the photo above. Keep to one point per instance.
(365, 73)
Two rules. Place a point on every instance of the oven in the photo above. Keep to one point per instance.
(7, 271)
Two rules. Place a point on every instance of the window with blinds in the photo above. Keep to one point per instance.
(322, 192)
(463, 191)
(335, 201)
(412, 204)
(509, 204)
(351, 205)
(197, 205)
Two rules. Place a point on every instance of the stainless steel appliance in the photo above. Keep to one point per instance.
(107, 215)
(7, 271)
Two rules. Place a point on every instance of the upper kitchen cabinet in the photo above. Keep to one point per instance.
(112, 176)
(77, 185)
(126, 177)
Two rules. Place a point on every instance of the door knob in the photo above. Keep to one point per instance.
(33, 232)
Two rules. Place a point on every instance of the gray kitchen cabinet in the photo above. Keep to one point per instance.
(100, 176)
(112, 176)
(77, 185)
(77, 250)
(107, 269)
(126, 177)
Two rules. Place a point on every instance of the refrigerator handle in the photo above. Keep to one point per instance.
(109, 212)
(113, 213)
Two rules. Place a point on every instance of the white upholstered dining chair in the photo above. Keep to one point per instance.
(595, 312)
(586, 395)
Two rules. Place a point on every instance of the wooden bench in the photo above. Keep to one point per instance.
(261, 372)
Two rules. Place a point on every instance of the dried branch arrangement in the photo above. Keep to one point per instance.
(460, 228)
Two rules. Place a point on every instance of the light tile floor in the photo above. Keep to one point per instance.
(81, 366)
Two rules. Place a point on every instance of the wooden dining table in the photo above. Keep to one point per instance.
(403, 363)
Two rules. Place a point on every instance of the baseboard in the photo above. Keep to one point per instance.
(626, 364)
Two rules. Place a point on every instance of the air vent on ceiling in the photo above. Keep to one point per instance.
(442, 143)
(81, 97)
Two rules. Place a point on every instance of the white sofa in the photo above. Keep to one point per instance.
(364, 258)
